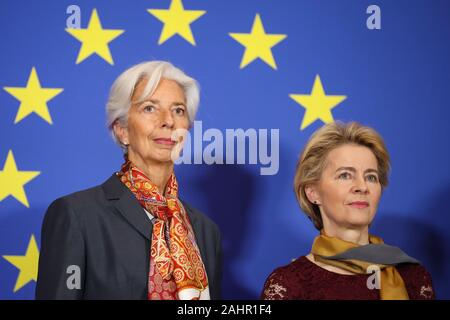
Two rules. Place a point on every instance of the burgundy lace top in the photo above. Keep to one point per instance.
(302, 279)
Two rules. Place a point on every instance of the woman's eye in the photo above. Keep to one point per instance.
(345, 176)
(372, 178)
(180, 111)
(149, 108)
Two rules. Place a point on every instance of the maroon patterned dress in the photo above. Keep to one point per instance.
(304, 280)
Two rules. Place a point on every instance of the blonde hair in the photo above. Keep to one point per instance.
(312, 159)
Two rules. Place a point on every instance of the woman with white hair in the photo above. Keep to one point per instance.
(132, 237)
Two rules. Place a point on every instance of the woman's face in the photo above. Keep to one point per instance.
(349, 189)
(152, 122)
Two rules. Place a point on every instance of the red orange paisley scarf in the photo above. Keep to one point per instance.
(176, 267)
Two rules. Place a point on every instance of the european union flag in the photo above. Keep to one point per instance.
(271, 73)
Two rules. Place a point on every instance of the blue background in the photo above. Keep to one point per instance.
(396, 80)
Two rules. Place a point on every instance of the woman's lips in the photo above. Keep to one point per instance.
(359, 204)
(164, 141)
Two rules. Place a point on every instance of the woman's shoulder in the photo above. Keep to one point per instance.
(93, 197)
(81, 197)
(417, 280)
(286, 282)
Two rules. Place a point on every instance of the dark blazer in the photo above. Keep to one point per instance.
(106, 233)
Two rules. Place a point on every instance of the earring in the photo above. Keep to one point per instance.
(315, 201)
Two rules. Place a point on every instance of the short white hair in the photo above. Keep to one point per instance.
(119, 100)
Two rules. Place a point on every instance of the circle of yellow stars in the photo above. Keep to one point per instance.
(95, 40)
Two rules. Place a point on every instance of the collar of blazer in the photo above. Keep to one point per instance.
(125, 202)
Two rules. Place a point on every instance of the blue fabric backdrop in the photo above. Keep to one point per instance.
(395, 79)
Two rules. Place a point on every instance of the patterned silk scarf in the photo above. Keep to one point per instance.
(176, 267)
(355, 258)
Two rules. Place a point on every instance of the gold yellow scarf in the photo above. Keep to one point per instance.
(392, 285)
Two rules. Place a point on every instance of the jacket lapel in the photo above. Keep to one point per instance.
(192, 218)
(125, 202)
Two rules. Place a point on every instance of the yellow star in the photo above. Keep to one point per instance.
(27, 264)
(176, 21)
(317, 104)
(33, 98)
(13, 180)
(258, 44)
(94, 39)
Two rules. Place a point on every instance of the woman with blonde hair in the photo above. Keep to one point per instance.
(339, 180)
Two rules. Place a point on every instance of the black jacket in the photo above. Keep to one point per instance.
(105, 233)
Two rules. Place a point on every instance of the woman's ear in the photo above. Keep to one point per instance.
(121, 133)
(312, 194)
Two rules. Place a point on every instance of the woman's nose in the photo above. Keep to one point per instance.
(167, 119)
(360, 186)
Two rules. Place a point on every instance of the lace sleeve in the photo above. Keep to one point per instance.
(423, 285)
(275, 288)
(417, 281)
